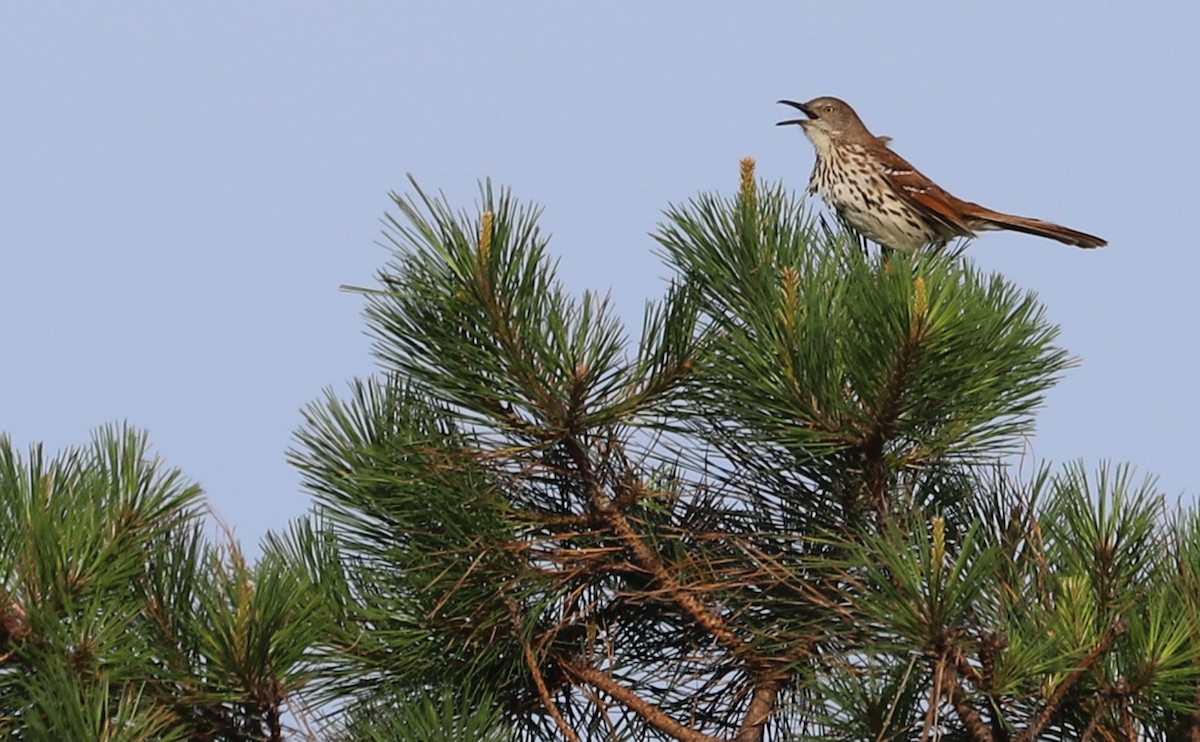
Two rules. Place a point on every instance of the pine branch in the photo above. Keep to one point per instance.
(653, 715)
(645, 557)
(762, 705)
(531, 662)
(950, 667)
(1052, 705)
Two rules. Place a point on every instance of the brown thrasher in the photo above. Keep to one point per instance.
(888, 200)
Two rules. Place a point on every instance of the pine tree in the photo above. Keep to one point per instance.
(119, 621)
(782, 513)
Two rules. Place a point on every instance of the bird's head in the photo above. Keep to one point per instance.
(827, 119)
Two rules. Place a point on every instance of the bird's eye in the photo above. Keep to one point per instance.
(828, 109)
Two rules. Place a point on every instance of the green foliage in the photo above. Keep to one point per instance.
(75, 532)
(781, 513)
(831, 358)
(471, 310)
(412, 512)
(456, 715)
(785, 494)
(119, 621)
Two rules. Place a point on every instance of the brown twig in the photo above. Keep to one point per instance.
(884, 416)
(964, 668)
(1050, 708)
(653, 715)
(935, 698)
(538, 680)
(967, 713)
(762, 703)
(1126, 716)
(875, 474)
(646, 558)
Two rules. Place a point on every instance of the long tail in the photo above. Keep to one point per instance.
(985, 218)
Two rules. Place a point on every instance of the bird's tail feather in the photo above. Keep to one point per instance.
(988, 219)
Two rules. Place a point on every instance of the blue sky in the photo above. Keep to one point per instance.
(183, 188)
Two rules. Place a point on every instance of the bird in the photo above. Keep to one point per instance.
(886, 199)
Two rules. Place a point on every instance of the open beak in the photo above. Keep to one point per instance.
(800, 107)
